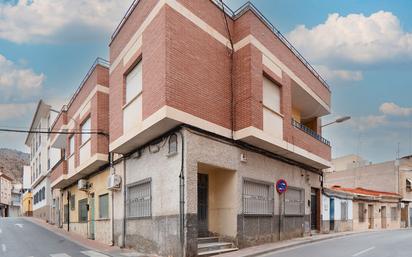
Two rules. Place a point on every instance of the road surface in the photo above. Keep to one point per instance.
(22, 238)
(374, 244)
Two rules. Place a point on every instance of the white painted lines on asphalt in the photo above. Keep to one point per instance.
(59, 255)
(93, 254)
(363, 251)
(1, 231)
(19, 225)
(3, 247)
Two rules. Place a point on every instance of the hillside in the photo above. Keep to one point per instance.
(12, 162)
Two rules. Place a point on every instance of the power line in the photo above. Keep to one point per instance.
(54, 132)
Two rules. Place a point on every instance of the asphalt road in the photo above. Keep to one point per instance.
(374, 244)
(21, 238)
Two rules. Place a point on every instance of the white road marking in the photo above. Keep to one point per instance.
(19, 225)
(3, 247)
(364, 251)
(59, 255)
(93, 254)
(1, 231)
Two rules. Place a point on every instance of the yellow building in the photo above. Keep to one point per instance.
(27, 204)
(90, 209)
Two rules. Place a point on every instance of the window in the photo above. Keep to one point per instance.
(48, 158)
(48, 126)
(361, 212)
(104, 206)
(43, 193)
(139, 199)
(408, 184)
(71, 145)
(72, 202)
(134, 83)
(271, 95)
(295, 202)
(394, 213)
(173, 144)
(83, 212)
(39, 165)
(66, 213)
(257, 198)
(86, 128)
(343, 210)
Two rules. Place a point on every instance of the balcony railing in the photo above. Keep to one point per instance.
(310, 132)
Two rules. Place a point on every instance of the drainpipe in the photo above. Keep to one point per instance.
(182, 197)
(68, 211)
(124, 204)
(113, 172)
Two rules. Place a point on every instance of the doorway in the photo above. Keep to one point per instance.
(370, 216)
(332, 214)
(202, 204)
(383, 216)
(314, 209)
(92, 219)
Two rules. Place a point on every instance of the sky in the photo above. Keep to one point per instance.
(363, 48)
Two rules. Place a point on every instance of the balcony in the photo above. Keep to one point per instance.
(58, 174)
(310, 132)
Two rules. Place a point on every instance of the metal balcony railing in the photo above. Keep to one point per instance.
(310, 132)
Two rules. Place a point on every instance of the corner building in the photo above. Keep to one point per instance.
(200, 136)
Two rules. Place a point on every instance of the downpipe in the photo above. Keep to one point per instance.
(182, 198)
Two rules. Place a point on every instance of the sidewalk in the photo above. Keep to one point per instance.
(113, 251)
(277, 246)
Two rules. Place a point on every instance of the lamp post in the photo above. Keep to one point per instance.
(338, 120)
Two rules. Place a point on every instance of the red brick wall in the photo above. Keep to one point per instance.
(59, 170)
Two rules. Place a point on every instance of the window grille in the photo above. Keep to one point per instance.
(295, 202)
(104, 206)
(139, 199)
(361, 212)
(344, 210)
(257, 198)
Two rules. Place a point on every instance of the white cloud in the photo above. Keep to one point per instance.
(394, 109)
(355, 38)
(17, 82)
(13, 111)
(338, 74)
(58, 20)
(369, 122)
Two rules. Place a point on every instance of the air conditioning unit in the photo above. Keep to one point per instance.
(82, 185)
(114, 182)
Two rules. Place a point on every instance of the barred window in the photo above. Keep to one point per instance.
(394, 213)
(104, 206)
(66, 213)
(72, 202)
(83, 212)
(257, 198)
(361, 212)
(295, 201)
(344, 210)
(139, 199)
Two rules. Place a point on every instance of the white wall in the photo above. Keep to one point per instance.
(26, 177)
(46, 184)
(337, 208)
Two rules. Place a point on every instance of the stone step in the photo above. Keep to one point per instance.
(213, 246)
(203, 240)
(215, 252)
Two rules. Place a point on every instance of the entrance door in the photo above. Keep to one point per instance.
(314, 209)
(383, 216)
(202, 205)
(91, 206)
(332, 214)
(370, 216)
(57, 214)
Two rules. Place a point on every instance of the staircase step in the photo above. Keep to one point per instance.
(214, 246)
(204, 240)
(214, 252)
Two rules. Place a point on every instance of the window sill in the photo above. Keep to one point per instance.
(87, 141)
(273, 111)
(139, 218)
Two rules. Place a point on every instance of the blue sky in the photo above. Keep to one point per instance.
(363, 48)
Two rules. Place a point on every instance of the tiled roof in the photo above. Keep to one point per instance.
(363, 191)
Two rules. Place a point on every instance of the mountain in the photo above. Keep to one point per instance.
(12, 162)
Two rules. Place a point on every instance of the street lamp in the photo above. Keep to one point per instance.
(338, 120)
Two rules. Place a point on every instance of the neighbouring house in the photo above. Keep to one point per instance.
(391, 176)
(374, 209)
(27, 204)
(16, 197)
(337, 211)
(40, 160)
(201, 136)
(5, 194)
(81, 199)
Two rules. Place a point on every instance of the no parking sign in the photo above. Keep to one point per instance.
(281, 186)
